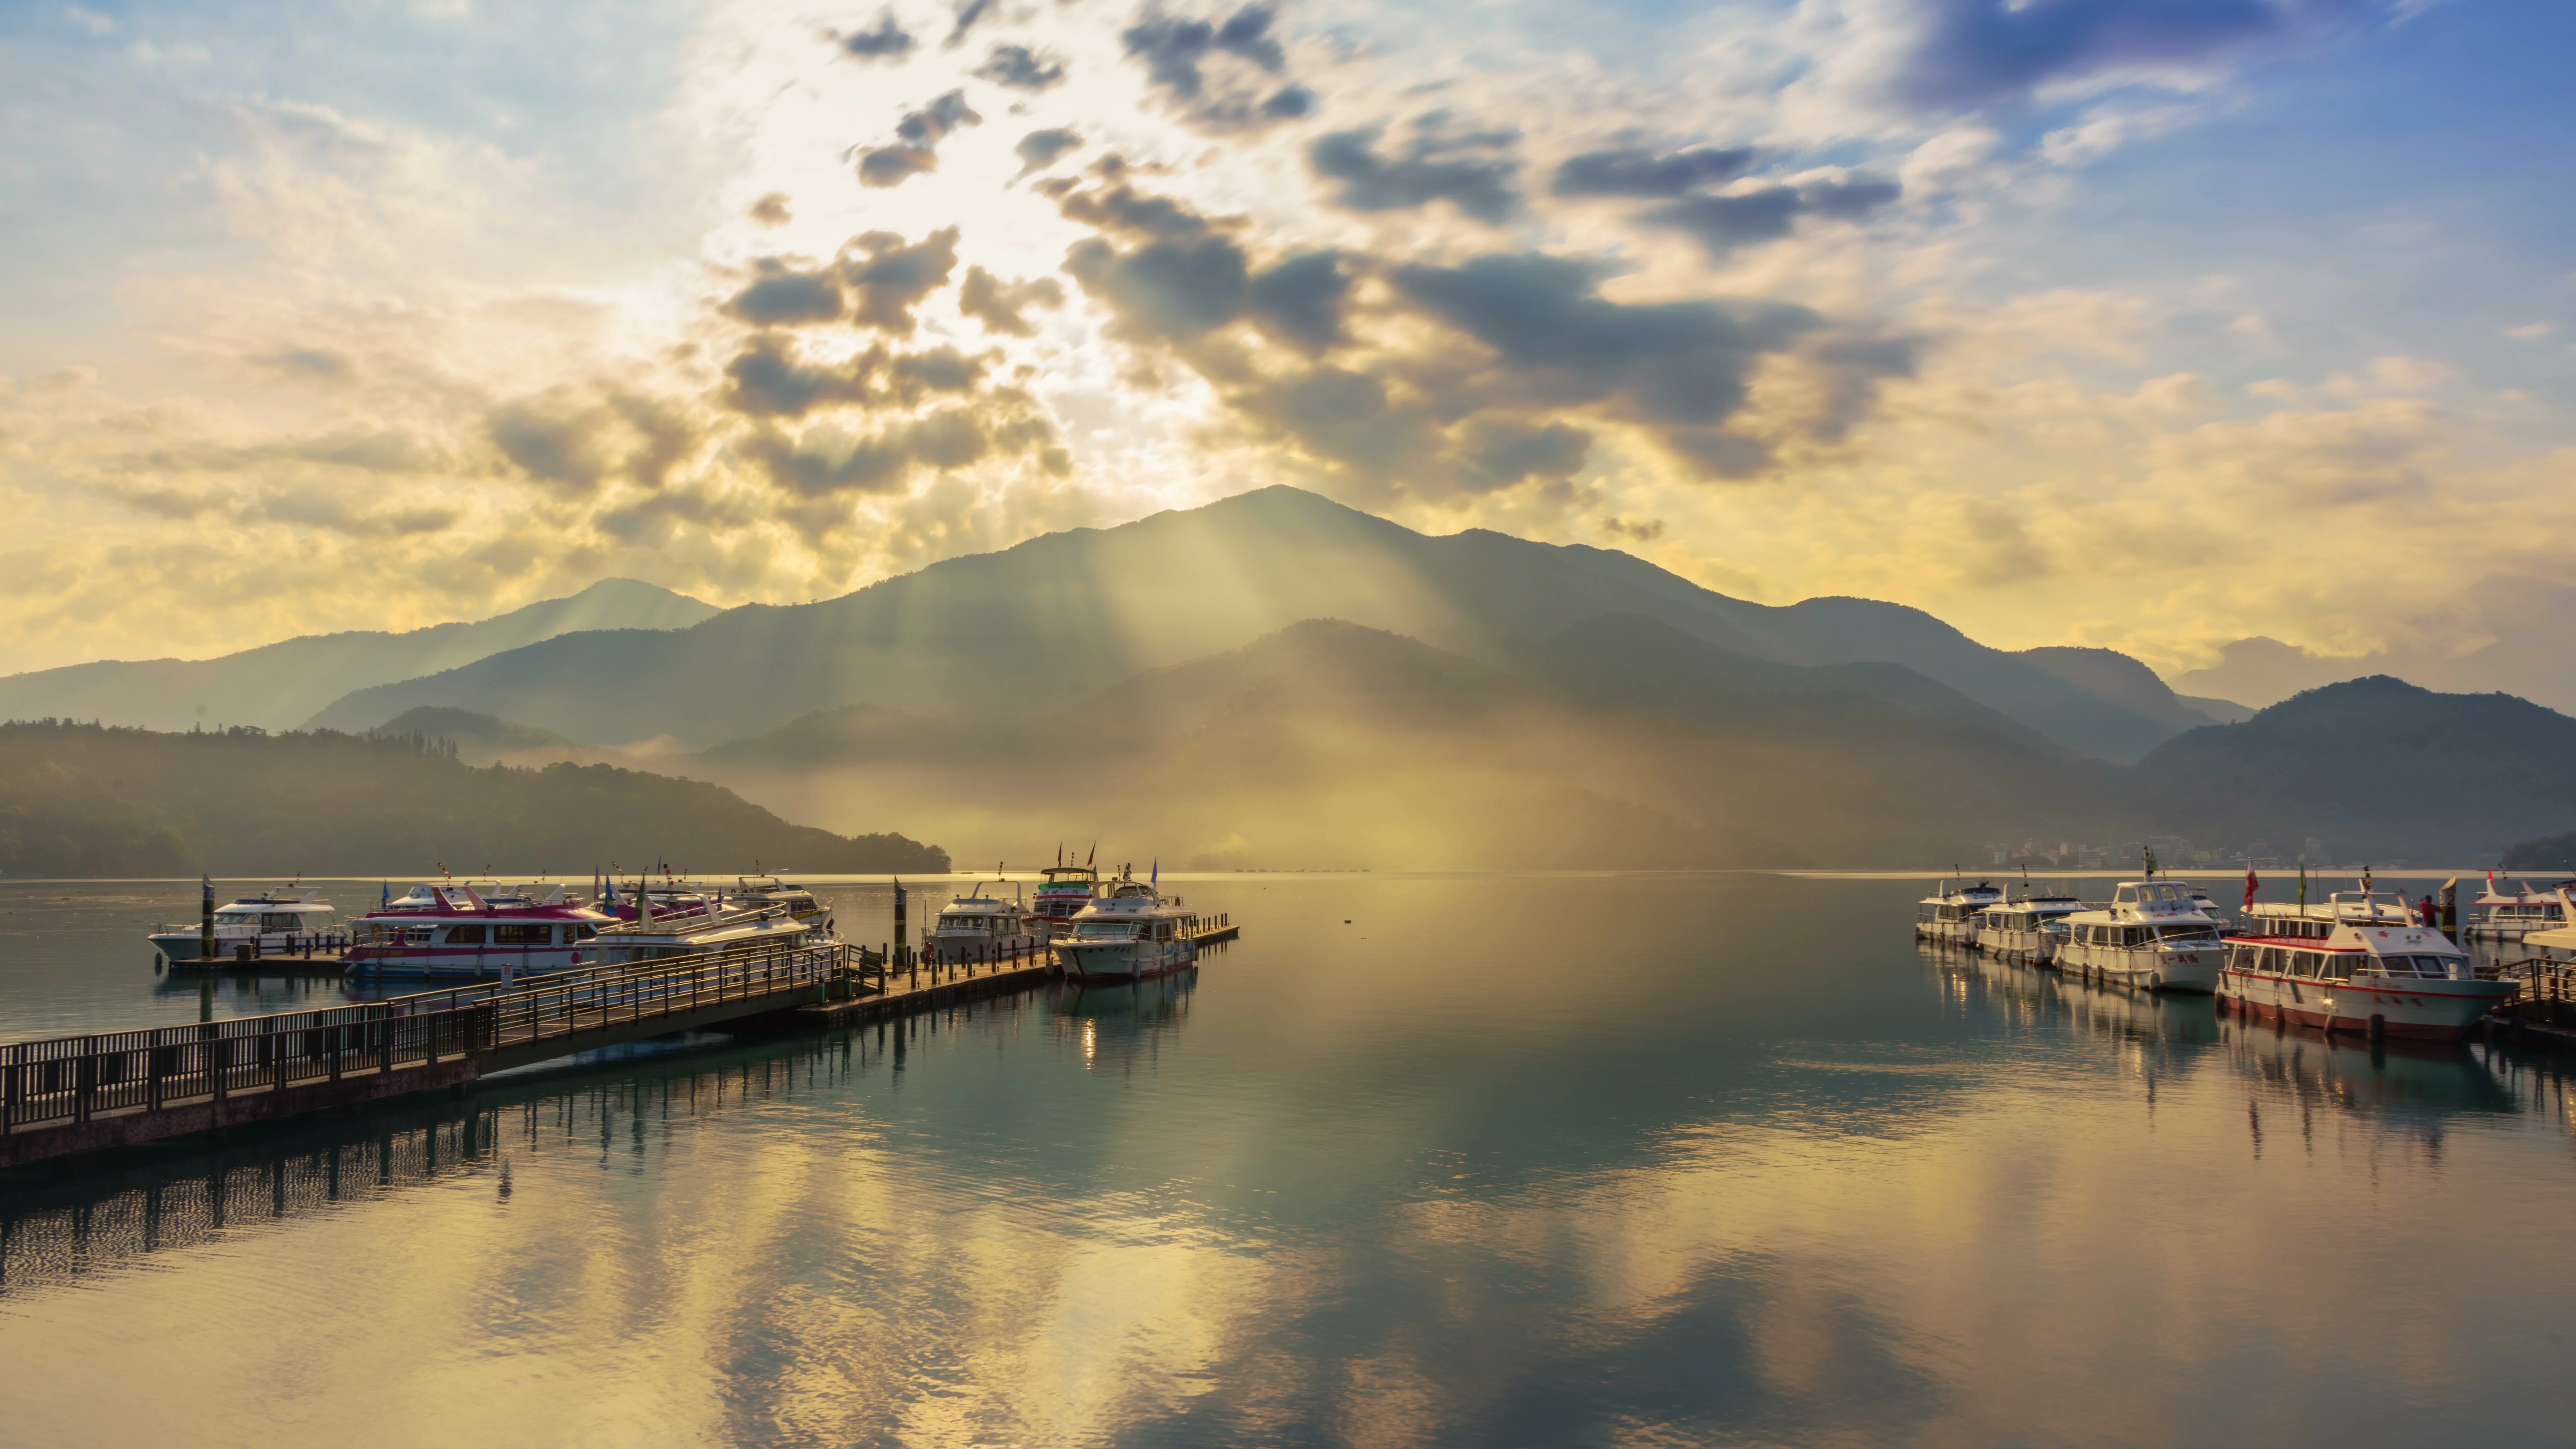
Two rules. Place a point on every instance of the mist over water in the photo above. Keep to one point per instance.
(1541, 1159)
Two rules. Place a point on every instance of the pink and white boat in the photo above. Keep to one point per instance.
(2360, 960)
(457, 932)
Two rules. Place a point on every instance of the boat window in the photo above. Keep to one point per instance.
(522, 935)
(2338, 965)
(585, 933)
(1103, 931)
(465, 935)
(418, 935)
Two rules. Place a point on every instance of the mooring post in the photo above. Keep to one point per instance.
(206, 926)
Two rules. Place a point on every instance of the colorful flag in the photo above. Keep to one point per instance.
(2251, 881)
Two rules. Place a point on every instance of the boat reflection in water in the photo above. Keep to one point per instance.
(2395, 1083)
(1122, 1025)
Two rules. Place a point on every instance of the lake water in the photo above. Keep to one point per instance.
(1563, 1160)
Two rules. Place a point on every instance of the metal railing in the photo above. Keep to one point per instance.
(71, 1079)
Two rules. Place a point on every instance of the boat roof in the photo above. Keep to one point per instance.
(1052, 871)
(966, 904)
(699, 928)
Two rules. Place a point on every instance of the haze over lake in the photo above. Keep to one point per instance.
(1516, 1159)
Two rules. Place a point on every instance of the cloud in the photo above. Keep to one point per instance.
(1039, 150)
(1723, 222)
(318, 364)
(891, 278)
(1301, 299)
(1003, 424)
(1636, 171)
(1169, 289)
(1973, 53)
(1021, 69)
(1179, 56)
(1482, 188)
(783, 296)
(771, 210)
(969, 14)
(917, 134)
(883, 166)
(933, 123)
(768, 378)
(1002, 306)
(887, 41)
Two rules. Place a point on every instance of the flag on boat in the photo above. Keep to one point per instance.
(2251, 881)
(1155, 876)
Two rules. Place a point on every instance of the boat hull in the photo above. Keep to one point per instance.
(2037, 948)
(433, 965)
(1948, 933)
(1114, 961)
(2147, 968)
(189, 946)
(2431, 1009)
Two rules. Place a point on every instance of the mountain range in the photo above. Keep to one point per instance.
(1065, 614)
(1276, 679)
(281, 685)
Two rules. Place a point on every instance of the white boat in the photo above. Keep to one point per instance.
(458, 932)
(1131, 934)
(709, 927)
(980, 927)
(2360, 962)
(2029, 929)
(287, 921)
(1950, 916)
(2158, 935)
(768, 890)
(1063, 891)
(2496, 916)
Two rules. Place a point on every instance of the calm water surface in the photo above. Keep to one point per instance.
(1617, 1160)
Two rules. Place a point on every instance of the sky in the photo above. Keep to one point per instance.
(2153, 324)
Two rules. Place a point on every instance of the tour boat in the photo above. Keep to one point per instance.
(2495, 916)
(709, 927)
(2029, 929)
(2557, 943)
(1950, 916)
(980, 927)
(1063, 892)
(769, 890)
(441, 932)
(2158, 934)
(1130, 934)
(2360, 962)
(281, 922)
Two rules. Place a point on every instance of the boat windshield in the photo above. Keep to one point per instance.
(2187, 933)
(1104, 930)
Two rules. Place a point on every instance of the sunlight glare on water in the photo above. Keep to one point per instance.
(1602, 1159)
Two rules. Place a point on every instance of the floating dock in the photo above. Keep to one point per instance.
(89, 1093)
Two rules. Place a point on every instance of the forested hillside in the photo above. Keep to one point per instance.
(82, 800)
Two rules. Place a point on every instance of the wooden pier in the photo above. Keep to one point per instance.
(78, 1094)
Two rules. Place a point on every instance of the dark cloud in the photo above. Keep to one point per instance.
(969, 14)
(1504, 451)
(771, 210)
(575, 441)
(785, 297)
(895, 165)
(1177, 55)
(1002, 423)
(887, 41)
(1121, 208)
(1003, 306)
(1176, 290)
(1636, 171)
(1680, 368)
(1720, 224)
(1021, 69)
(917, 135)
(768, 379)
(1300, 300)
(1977, 52)
(1480, 187)
(934, 123)
(891, 278)
(1039, 150)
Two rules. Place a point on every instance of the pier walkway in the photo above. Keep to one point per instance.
(77, 1094)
